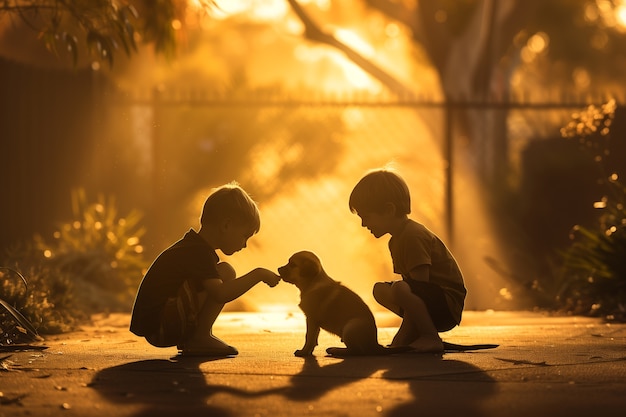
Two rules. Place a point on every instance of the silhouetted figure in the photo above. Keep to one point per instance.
(186, 287)
(431, 295)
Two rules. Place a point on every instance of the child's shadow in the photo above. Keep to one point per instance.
(429, 379)
(158, 385)
(179, 387)
(442, 387)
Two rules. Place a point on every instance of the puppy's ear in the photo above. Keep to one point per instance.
(309, 268)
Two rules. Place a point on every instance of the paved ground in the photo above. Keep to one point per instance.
(545, 366)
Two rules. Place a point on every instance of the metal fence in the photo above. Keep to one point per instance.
(387, 125)
(299, 156)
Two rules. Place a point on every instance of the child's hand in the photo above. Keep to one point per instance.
(273, 280)
(268, 277)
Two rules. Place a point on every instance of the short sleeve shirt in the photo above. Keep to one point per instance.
(416, 245)
(190, 259)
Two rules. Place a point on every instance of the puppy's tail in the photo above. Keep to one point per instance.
(388, 350)
(453, 347)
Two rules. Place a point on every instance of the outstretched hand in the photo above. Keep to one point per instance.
(269, 277)
(273, 281)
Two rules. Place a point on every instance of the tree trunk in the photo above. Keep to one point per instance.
(471, 66)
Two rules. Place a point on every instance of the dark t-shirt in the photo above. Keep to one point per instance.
(190, 259)
(415, 245)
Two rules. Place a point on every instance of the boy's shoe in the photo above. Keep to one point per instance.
(209, 351)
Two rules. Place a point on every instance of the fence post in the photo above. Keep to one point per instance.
(448, 155)
(157, 168)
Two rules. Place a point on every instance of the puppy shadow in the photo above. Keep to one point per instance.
(161, 387)
(314, 381)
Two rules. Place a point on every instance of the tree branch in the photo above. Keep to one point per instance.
(313, 32)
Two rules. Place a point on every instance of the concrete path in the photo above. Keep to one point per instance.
(544, 366)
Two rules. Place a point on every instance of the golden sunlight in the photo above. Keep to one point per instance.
(356, 42)
(313, 214)
(346, 76)
(354, 75)
(259, 10)
(612, 14)
(620, 14)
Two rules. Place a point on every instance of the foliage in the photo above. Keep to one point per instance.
(99, 248)
(101, 26)
(593, 279)
(49, 301)
(93, 264)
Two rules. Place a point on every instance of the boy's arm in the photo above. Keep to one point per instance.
(225, 291)
(420, 273)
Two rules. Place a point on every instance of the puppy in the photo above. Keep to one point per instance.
(330, 306)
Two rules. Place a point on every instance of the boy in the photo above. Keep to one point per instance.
(186, 287)
(431, 295)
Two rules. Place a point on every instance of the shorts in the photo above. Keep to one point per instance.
(178, 319)
(436, 303)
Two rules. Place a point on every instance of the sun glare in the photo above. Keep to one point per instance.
(347, 74)
(353, 74)
(357, 43)
(260, 10)
(620, 14)
(612, 14)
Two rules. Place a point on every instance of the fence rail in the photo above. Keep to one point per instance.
(522, 100)
(165, 99)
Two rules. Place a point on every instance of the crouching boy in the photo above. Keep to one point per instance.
(186, 287)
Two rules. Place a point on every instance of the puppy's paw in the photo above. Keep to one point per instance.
(340, 352)
(302, 353)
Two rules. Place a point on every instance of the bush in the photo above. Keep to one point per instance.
(101, 251)
(593, 276)
(92, 264)
(48, 300)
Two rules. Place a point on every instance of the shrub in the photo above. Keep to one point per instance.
(100, 250)
(47, 302)
(92, 264)
(593, 276)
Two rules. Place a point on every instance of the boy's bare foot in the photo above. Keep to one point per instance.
(396, 344)
(405, 335)
(402, 339)
(427, 345)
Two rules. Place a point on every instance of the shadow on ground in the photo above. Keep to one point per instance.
(158, 387)
(428, 378)
(442, 387)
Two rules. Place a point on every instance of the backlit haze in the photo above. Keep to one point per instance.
(247, 47)
(312, 213)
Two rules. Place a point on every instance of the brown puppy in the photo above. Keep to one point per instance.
(330, 306)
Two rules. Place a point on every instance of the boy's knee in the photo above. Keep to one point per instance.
(226, 271)
(381, 291)
(400, 289)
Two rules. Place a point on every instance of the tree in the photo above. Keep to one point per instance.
(90, 29)
(477, 46)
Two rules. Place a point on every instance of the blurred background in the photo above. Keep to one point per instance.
(119, 117)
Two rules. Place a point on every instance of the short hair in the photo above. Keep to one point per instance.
(378, 188)
(230, 200)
